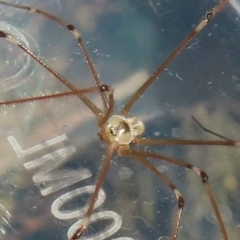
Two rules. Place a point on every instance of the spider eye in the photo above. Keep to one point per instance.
(112, 131)
(104, 88)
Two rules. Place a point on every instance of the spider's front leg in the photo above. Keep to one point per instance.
(85, 222)
(80, 231)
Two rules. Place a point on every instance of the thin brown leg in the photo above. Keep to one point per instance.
(75, 33)
(88, 103)
(50, 96)
(169, 142)
(165, 64)
(109, 110)
(208, 130)
(169, 183)
(80, 231)
(199, 172)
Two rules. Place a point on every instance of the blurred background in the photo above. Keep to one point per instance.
(50, 152)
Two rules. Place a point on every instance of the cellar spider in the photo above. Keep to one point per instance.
(121, 132)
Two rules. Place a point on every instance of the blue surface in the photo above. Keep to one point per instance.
(127, 41)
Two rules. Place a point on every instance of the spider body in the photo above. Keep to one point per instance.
(120, 132)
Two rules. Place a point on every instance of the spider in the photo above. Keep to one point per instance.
(121, 132)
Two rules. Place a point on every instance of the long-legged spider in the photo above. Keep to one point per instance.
(120, 132)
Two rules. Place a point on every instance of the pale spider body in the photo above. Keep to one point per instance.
(120, 131)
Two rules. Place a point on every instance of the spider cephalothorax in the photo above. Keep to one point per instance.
(119, 130)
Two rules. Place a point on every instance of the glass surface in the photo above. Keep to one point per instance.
(50, 151)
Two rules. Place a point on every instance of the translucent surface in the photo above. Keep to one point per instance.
(127, 41)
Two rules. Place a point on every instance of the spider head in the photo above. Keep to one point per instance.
(119, 130)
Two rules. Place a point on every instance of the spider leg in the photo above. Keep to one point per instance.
(200, 173)
(141, 158)
(170, 142)
(75, 33)
(204, 22)
(208, 130)
(87, 102)
(82, 228)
